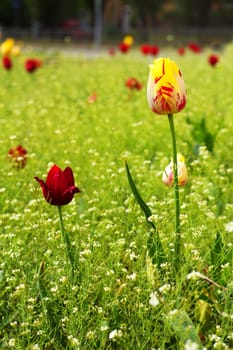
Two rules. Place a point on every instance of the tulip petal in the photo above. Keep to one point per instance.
(68, 174)
(52, 172)
(44, 188)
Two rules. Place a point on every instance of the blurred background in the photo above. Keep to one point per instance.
(107, 21)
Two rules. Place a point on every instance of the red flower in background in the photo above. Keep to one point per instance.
(18, 156)
(181, 51)
(154, 50)
(32, 64)
(124, 48)
(7, 62)
(145, 49)
(111, 51)
(92, 97)
(59, 187)
(133, 84)
(213, 60)
(194, 47)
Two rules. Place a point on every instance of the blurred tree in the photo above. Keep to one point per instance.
(6, 12)
(195, 12)
(145, 11)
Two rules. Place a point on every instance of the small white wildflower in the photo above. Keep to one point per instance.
(153, 218)
(100, 310)
(165, 288)
(132, 256)
(190, 345)
(194, 275)
(54, 289)
(173, 312)
(74, 341)
(154, 301)
(35, 347)
(11, 343)
(90, 334)
(116, 333)
(229, 226)
(132, 276)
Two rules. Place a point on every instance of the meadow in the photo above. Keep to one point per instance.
(118, 297)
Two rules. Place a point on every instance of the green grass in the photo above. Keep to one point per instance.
(48, 113)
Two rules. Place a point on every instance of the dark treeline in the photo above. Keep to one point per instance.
(52, 13)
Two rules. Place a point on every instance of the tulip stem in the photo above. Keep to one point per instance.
(66, 239)
(177, 243)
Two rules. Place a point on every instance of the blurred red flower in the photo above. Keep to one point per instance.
(181, 51)
(133, 84)
(32, 64)
(213, 60)
(194, 47)
(124, 48)
(154, 50)
(59, 187)
(145, 49)
(7, 62)
(111, 51)
(92, 97)
(18, 156)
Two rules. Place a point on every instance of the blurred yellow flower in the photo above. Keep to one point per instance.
(168, 175)
(16, 50)
(128, 40)
(166, 92)
(7, 46)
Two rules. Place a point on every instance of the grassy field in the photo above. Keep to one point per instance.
(118, 298)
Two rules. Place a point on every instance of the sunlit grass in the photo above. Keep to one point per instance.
(108, 305)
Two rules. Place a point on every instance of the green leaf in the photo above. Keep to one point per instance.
(184, 328)
(41, 286)
(138, 197)
(154, 244)
(155, 248)
(216, 251)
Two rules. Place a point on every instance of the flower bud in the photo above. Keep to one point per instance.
(166, 92)
(168, 174)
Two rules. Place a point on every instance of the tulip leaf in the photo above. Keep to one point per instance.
(138, 197)
(154, 244)
(155, 248)
(184, 328)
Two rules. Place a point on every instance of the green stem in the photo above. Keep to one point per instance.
(69, 250)
(176, 194)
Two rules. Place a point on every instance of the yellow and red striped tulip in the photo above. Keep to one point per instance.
(166, 92)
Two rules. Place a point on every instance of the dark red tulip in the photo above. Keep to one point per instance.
(133, 84)
(32, 64)
(18, 156)
(194, 47)
(154, 50)
(145, 49)
(124, 48)
(181, 51)
(7, 62)
(59, 187)
(213, 60)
